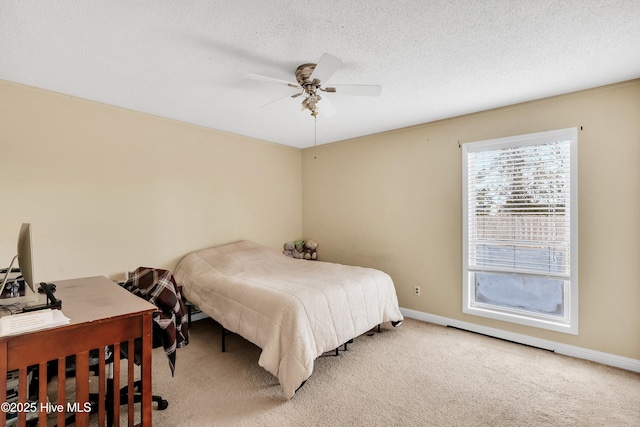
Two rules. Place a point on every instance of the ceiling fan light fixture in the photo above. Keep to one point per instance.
(310, 103)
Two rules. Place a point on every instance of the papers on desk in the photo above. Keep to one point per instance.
(32, 321)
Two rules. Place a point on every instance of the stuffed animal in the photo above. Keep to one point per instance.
(301, 249)
(310, 250)
(298, 252)
(289, 247)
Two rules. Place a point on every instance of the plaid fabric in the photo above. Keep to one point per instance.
(160, 289)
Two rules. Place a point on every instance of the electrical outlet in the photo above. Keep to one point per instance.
(416, 291)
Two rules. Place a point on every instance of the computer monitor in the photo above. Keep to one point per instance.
(21, 294)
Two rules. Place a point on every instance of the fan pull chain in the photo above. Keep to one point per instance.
(315, 130)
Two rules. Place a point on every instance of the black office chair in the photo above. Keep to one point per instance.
(124, 391)
(159, 288)
(94, 367)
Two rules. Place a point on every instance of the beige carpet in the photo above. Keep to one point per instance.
(419, 374)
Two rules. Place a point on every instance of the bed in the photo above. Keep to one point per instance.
(294, 310)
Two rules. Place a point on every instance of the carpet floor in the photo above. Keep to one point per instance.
(418, 374)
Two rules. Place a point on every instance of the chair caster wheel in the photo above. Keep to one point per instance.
(162, 405)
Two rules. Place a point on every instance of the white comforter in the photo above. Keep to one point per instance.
(293, 309)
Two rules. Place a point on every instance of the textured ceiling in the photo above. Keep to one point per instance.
(185, 60)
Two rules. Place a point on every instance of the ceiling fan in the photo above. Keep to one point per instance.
(312, 78)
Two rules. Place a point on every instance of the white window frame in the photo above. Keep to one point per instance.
(569, 323)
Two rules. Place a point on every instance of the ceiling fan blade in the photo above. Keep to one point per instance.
(269, 79)
(326, 107)
(277, 100)
(359, 90)
(326, 66)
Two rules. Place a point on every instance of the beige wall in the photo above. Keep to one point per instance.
(108, 190)
(393, 201)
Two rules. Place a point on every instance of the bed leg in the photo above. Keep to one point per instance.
(379, 325)
(224, 334)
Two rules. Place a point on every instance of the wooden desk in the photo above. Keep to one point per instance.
(102, 313)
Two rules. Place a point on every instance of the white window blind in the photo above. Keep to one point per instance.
(519, 209)
(520, 229)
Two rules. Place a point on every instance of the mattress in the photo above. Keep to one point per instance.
(294, 310)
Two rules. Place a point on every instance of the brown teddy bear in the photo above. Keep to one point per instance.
(310, 250)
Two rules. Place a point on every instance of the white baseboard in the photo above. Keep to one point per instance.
(198, 316)
(565, 349)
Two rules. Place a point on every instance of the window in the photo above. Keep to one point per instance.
(520, 229)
